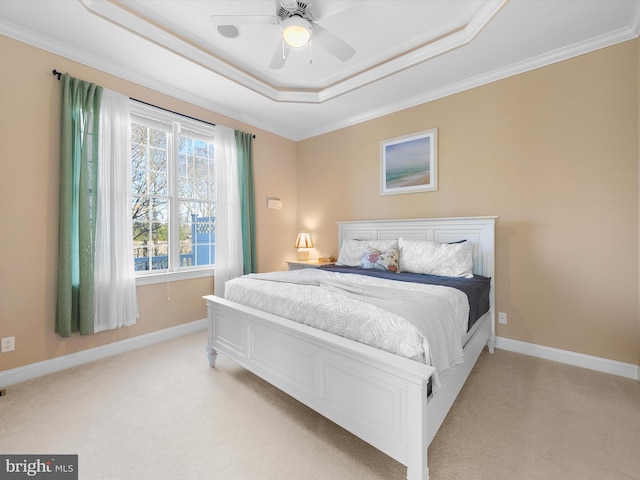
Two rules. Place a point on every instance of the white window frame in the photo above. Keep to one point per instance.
(172, 123)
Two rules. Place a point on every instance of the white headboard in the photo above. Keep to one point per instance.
(479, 231)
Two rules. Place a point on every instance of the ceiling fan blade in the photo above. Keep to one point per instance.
(324, 10)
(332, 43)
(244, 19)
(280, 56)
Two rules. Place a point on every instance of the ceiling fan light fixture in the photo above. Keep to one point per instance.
(296, 31)
(289, 5)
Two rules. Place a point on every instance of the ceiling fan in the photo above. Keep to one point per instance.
(297, 20)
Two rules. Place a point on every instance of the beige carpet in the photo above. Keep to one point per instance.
(162, 413)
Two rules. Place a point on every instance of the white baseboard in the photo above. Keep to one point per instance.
(627, 370)
(34, 370)
(27, 372)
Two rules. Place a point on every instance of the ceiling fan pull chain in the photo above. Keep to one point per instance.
(310, 59)
(283, 57)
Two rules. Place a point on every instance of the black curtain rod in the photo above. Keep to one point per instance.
(59, 74)
(171, 111)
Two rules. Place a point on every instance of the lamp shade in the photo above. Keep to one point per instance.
(296, 31)
(303, 240)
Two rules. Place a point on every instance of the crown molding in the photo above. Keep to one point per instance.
(622, 35)
(77, 55)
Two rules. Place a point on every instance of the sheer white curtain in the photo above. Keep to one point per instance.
(229, 259)
(115, 303)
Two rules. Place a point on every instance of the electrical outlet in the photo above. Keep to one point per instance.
(7, 344)
(502, 318)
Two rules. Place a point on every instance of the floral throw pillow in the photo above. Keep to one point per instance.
(352, 250)
(373, 258)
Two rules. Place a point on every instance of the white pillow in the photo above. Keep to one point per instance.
(352, 250)
(431, 258)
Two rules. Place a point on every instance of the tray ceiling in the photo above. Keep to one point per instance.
(406, 52)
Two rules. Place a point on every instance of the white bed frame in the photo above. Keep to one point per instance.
(378, 396)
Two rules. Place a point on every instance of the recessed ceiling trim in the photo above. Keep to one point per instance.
(445, 44)
(119, 15)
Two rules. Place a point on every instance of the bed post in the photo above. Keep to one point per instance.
(490, 271)
(418, 432)
(212, 353)
(491, 343)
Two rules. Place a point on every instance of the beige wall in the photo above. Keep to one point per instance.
(29, 105)
(552, 152)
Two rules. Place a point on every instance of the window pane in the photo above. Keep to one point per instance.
(160, 249)
(157, 138)
(187, 209)
(158, 159)
(141, 258)
(139, 181)
(138, 156)
(185, 189)
(140, 209)
(201, 189)
(197, 217)
(201, 169)
(149, 176)
(159, 184)
(185, 144)
(201, 148)
(183, 166)
(159, 210)
(197, 233)
(155, 172)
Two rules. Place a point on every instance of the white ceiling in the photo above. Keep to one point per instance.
(406, 52)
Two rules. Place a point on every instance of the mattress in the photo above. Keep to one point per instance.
(414, 319)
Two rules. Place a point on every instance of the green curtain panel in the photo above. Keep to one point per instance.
(244, 147)
(80, 108)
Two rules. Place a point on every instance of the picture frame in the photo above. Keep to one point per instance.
(409, 164)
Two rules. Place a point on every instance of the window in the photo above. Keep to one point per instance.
(173, 195)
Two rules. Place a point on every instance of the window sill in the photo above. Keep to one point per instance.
(165, 277)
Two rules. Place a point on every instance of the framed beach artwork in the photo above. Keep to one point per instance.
(409, 164)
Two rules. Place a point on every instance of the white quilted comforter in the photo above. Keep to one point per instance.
(417, 321)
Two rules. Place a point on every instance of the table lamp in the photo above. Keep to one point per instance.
(303, 242)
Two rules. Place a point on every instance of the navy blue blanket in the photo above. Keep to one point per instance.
(476, 288)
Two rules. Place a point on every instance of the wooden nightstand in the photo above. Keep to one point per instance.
(298, 265)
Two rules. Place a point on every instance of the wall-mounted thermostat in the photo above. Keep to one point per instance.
(274, 203)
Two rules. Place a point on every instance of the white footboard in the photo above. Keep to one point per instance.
(375, 395)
